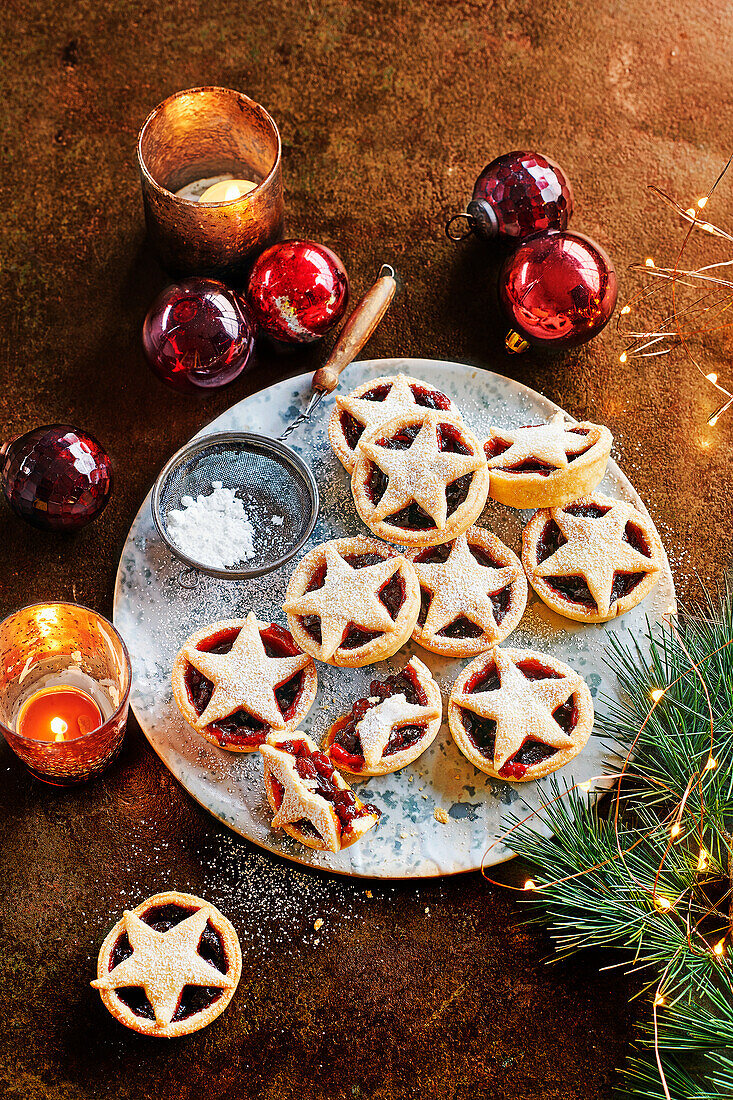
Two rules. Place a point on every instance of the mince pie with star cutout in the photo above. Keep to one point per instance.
(352, 601)
(593, 559)
(236, 680)
(544, 465)
(420, 479)
(170, 966)
(373, 403)
(519, 715)
(308, 797)
(473, 594)
(390, 728)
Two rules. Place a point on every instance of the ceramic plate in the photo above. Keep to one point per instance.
(155, 614)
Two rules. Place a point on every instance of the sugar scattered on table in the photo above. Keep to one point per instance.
(278, 521)
(213, 529)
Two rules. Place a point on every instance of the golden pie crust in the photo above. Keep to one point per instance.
(461, 588)
(400, 398)
(522, 708)
(350, 597)
(163, 963)
(569, 461)
(429, 715)
(249, 684)
(595, 550)
(420, 474)
(299, 803)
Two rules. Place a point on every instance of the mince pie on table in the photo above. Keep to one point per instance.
(390, 728)
(420, 478)
(308, 797)
(170, 966)
(519, 715)
(237, 680)
(473, 594)
(593, 559)
(373, 403)
(544, 465)
(352, 601)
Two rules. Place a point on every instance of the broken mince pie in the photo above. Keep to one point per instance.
(352, 601)
(544, 465)
(473, 593)
(392, 727)
(420, 479)
(170, 966)
(373, 403)
(519, 715)
(236, 680)
(308, 797)
(593, 559)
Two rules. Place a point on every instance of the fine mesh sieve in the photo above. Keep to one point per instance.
(272, 481)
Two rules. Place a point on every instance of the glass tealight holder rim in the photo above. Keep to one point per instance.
(124, 700)
(195, 202)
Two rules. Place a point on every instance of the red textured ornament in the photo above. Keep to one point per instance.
(198, 336)
(558, 290)
(298, 290)
(517, 194)
(57, 477)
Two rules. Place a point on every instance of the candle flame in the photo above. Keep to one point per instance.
(233, 192)
(59, 728)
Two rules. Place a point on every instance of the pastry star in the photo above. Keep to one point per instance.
(299, 801)
(245, 678)
(377, 724)
(371, 413)
(162, 963)
(550, 443)
(421, 473)
(462, 586)
(595, 549)
(348, 596)
(521, 708)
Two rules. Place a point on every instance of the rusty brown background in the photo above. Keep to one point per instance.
(387, 111)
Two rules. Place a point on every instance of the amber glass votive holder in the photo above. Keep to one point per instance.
(205, 134)
(52, 645)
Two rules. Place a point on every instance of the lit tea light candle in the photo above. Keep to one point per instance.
(58, 714)
(227, 190)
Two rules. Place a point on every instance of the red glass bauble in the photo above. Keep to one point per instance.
(558, 290)
(298, 290)
(198, 335)
(57, 478)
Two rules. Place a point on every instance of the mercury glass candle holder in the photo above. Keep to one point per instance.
(52, 645)
(195, 137)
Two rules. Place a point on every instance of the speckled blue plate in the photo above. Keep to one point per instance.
(155, 615)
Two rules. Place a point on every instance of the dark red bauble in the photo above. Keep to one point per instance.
(558, 290)
(517, 194)
(198, 335)
(57, 478)
(298, 290)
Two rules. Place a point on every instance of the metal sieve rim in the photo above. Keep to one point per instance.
(258, 443)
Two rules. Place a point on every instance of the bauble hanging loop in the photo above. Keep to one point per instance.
(517, 194)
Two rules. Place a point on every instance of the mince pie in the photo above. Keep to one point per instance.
(473, 593)
(352, 601)
(372, 403)
(544, 465)
(593, 559)
(170, 966)
(519, 715)
(236, 680)
(309, 798)
(392, 727)
(420, 478)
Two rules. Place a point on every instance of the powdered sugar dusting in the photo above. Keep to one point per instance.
(213, 529)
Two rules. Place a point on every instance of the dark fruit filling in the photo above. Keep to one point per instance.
(392, 595)
(450, 440)
(430, 399)
(241, 728)
(482, 731)
(343, 738)
(194, 998)
(494, 447)
(316, 766)
(413, 517)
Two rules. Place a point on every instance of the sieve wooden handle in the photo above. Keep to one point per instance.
(367, 314)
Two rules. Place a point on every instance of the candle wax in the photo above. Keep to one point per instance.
(58, 714)
(226, 190)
